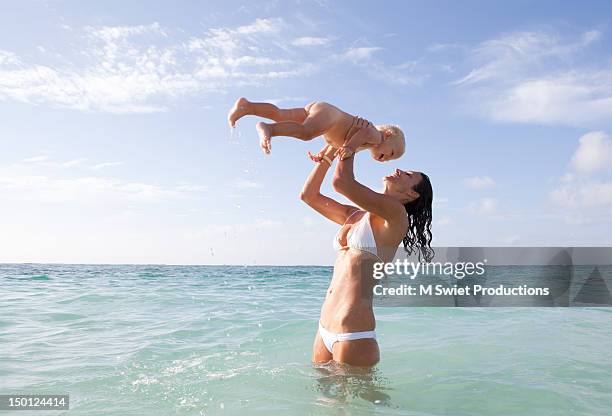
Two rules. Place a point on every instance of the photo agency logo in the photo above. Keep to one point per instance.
(497, 276)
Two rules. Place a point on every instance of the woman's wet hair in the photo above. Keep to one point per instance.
(419, 235)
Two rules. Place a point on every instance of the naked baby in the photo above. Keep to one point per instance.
(345, 132)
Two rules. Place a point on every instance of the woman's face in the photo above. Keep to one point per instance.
(402, 182)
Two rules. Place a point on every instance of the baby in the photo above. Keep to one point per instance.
(385, 142)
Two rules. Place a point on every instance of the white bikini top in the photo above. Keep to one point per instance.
(359, 237)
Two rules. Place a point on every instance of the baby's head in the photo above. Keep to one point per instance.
(392, 146)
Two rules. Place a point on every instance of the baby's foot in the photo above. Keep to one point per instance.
(239, 110)
(264, 137)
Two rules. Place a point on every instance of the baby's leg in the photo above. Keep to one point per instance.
(317, 123)
(244, 107)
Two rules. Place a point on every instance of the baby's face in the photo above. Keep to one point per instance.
(391, 148)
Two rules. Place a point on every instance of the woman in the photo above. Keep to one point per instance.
(402, 212)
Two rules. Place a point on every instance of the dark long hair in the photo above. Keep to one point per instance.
(419, 235)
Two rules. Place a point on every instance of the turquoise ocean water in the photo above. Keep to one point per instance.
(203, 340)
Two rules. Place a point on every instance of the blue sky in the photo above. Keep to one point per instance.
(115, 146)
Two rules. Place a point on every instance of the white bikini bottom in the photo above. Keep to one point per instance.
(329, 338)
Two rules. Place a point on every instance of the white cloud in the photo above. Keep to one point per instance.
(310, 41)
(309, 221)
(137, 69)
(513, 53)
(581, 196)
(186, 187)
(568, 177)
(440, 202)
(583, 202)
(484, 206)
(512, 239)
(572, 98)
(223, 42)
(106, 165)
(478, 182)
(115, 33)
(247, 60)
(533, 77)
(87, 190)
(437, 47)
(8, 58)
(242, 183)
(358, 54)
(74, 162)
(44, 160)
(288, 99)
(261, 26)
(594, 153)
(35, 159)
(409, 73)
(443, 221)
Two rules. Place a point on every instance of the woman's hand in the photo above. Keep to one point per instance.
(359, 139)
(327, 151)
(315, 157)
(345, 152)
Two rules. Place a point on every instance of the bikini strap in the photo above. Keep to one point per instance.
(350, 216)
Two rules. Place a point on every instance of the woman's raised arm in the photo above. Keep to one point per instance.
(379, 204)
(311, 192)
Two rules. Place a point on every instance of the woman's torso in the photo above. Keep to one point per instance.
(348, 302)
